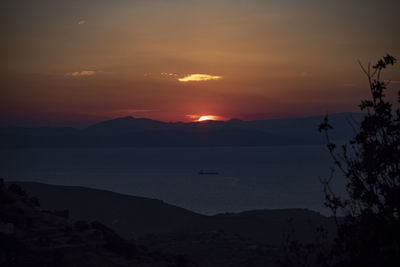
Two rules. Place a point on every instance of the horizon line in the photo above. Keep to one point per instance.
(86, 125)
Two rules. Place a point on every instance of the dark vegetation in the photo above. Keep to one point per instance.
(369, 233)
(368, 218)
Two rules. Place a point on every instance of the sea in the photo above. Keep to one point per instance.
(272, 177)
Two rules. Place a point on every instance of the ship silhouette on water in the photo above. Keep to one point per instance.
(208, 172)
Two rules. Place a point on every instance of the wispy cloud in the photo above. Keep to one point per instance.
(81, 22)
(199, 78)
(81, 73)
(168, 74)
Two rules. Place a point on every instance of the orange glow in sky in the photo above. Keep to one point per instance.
(178, 61)
(207, 118)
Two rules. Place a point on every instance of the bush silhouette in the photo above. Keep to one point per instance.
(369, 217)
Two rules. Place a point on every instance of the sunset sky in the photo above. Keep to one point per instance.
(73, 63)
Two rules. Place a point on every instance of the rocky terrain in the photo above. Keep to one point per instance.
(31, 237)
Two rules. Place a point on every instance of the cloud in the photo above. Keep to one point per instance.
(81, 22)
(199, 78)
(81, 73)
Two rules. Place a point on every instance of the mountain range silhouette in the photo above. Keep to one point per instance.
(131, 132)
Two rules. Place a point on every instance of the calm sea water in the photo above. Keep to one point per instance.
(249, 177)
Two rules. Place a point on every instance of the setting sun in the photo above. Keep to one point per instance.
(207, 118)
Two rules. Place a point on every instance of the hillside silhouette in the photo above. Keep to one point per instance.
(139, 132)
(31, 237)
(220, 240)
(134, 217)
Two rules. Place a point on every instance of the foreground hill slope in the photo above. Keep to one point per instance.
(131, 216)
(137, 217)
(31, 237)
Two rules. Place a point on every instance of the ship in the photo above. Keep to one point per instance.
(208, 172)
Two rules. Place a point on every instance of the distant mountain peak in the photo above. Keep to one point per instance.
(122, 120)
(125, 125)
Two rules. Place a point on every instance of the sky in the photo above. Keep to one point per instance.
(74, 63)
